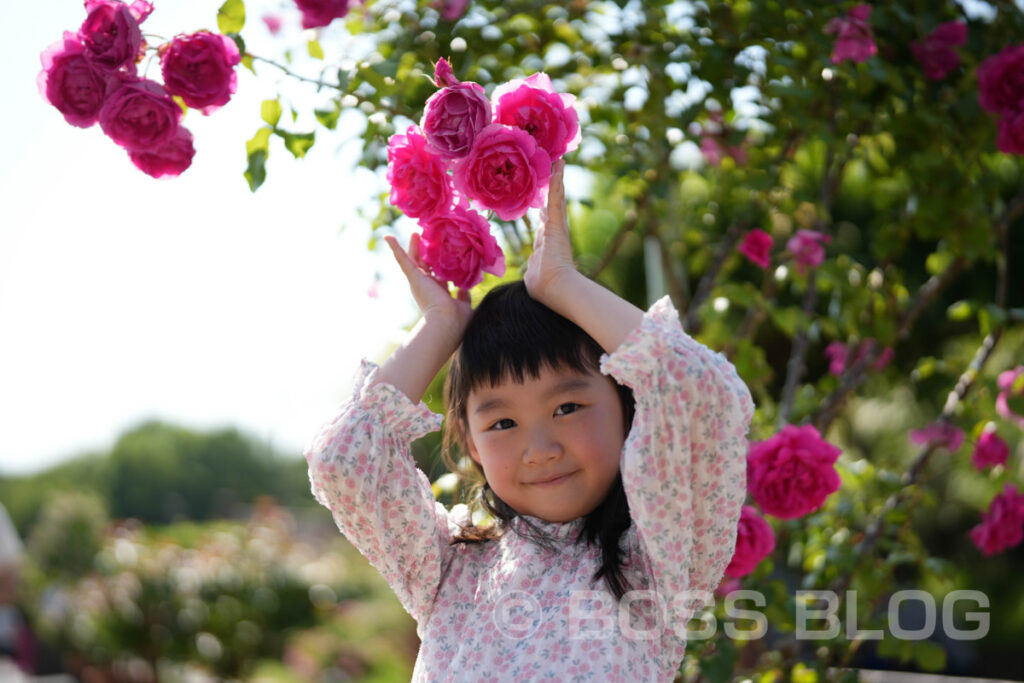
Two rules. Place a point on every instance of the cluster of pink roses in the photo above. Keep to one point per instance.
(788, 476)
(495, 154)
(806, 247)
(91, 76)
(1000, 77)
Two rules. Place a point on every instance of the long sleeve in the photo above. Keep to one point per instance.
(361, 469)
(684, 461)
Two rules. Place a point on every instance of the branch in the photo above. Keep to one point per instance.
(625, 228)
(795, 368)
(692, 322)
(855, 375)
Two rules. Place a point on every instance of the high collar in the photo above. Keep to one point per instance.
(563, 531)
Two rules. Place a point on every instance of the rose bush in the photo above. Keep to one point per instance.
(71, 82)
(533, 105)
(791, 473)
(755, 541)
(111, 33)
(506, 171)
(317, 13)
(140, 115)
(459, 247)
(420, 184)
(454, 115)
(200, 68)
(171, 159)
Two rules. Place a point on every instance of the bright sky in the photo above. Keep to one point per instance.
(192, 300)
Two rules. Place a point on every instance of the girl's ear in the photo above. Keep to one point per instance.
(473, 453)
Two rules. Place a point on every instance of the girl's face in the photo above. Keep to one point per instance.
(549, 447)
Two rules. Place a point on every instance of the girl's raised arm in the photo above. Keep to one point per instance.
(552, 279)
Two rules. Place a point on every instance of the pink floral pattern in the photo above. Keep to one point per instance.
(502, 610)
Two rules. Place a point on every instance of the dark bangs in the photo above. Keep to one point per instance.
(511, 337)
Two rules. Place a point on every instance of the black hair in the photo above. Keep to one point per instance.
(510, 336)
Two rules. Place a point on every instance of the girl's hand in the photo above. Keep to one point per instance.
(551, 261)
(431, 295)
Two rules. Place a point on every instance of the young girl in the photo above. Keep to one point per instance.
(613, 448)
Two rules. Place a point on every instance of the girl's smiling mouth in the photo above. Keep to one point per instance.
(553, 482)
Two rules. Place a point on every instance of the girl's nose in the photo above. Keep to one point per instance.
(542, 447)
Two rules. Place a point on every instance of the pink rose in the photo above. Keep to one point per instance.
(170, 160)
(1002, 527)
(941, 434)
(454, 115)
(1001, 81)
(273, 23)
(838, 355)
(1011, 133)
(791, 474)
(807, 247)
(71, 82)
(533, 105)
(754, 542)
(1011, 386)
(451, 9)
(936, 54)
(854, 39)
(989, 451)
(506, 171)
(420, 184)
(140, 116)
(200, 68)
(316, 13)
(458, 247)
(111, 34)
(756, 246)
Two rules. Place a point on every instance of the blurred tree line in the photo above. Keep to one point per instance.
(160, 473)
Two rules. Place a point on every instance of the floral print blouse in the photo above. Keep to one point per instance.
(511, 609)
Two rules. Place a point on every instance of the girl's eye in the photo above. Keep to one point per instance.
(497, 425)
(572, 408)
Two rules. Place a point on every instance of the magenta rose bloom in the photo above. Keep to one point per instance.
(200, 68)
(755, 541)
(936, 54)
(506, 171)
(989, 451)
(455, 114)
(1001, 81)
(807, 247)
(451, 9)
(111, 34)
(939, 434)
(420, 184)
(838, 355)
(1002, 527)
(791, 474)
(1011, 133)
(756, 246)
(317, 13)
(533, 105)
(168, 161)
(458, 247)
(1011, 386)
(140, 116)
(854, 39)
(71, 82)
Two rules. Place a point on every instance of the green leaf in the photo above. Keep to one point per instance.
(270, 111)
(938, 262)
(297, 143)
(256, 172)
(231, 16)
(260, 141)
(960, 311)
(328, 118)
(929, 655)
(718, 667)
(316, 51)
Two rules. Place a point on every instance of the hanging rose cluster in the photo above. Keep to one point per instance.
(470, 152)
(92, 76)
